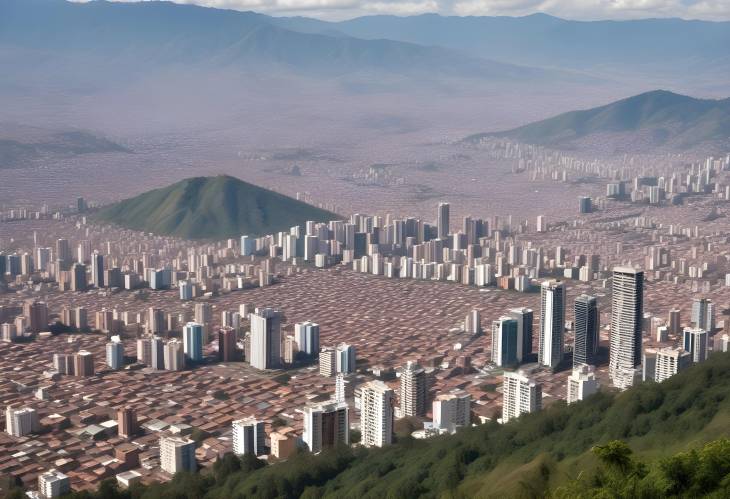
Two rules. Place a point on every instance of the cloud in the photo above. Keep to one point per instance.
(715, 10)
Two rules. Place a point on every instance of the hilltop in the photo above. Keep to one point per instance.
(211, 207)
(568, 450)
(652, 119)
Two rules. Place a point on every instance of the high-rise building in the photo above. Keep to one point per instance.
(326, 425)
(524, 318)
(306, 335)
(504, 341)
(552, 323)
(581, 383)
(541, 223)
(376, 414)
(177, 454)
(83, 363)
(452, 410)
(674, 325)
(520, 395)
(157, 353)
(265, 338)
(473, 323)
(52, 484)
(144, 351)
(669, 361)
(127, 422)
(227, 349)
(155, 320)
(328, 362)
(115, 353)
(21, 422)
(78, 277)
(186, 290)
(586, 323)
(37, 314)
(63, 254)
(97, 270)
(627, 300)
(442, 222)
(703, 314)
(174, 355)
(413, 390)
(695, 341)
(193, 341)
(248, 437)
(345, 356)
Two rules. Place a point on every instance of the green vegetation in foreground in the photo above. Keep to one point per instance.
(682, 120)
(211, 208)
(579, 451)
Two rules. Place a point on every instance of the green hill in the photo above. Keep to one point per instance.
(610, 445)
(666, 118)
(211, 208)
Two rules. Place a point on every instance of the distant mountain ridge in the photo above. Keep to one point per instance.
(659, 118)
(211, 208)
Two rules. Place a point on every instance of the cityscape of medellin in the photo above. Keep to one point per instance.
(284, 249)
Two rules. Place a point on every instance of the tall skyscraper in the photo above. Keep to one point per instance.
(84, 363)
(703, 314)
(674, 324)
(413, 390)
(115, 353)
(21, 422)
(177, 454)
(627, 300)
(193, 341)
(504, 341)
(520, 395)
(306, 335)
(552, 323)
(248, 437)
(157, 353)
(442, 221)
(581, 383)
(37, 314)
(97, 270)
(78, 277)
(524, 318)
(326, 425)
(265, 338)
(63, 254)
(227, 349)
(586, 330)
(155, 320)
(452, 410)
(345, 356)
(376, 414)
(174, 353)
(695, 341)
(328, 362)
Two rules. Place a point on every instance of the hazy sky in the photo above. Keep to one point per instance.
(570, 9)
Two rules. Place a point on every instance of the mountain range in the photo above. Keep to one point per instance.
(211, 208)
(657, 119)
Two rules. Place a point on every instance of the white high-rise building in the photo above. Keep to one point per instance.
(541, 223)
(376, 414)
(326, 425)
(669, 361)
(21, 422)
(520, 395)
(581, 383)
(552, 323)
(248, 437)
(174, 356)
(328, 362)
(52, 484)
(265, 338)
(115, 353)
(703, 314)
(345, 358)
(306, 334)
(413, 390)
(696, 342)
(452, 410)
(627, 299)
(177, 454)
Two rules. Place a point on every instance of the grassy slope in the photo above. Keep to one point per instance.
(698, 120)
(211, 207)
